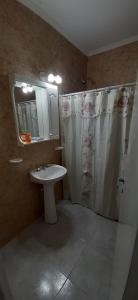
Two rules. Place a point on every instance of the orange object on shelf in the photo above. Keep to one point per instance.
(27, 137)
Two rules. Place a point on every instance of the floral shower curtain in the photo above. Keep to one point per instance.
(95, 134)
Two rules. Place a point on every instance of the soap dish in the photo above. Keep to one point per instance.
(15, 161)
(59, 148)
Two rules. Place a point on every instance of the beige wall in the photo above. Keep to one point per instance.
(113, 67)
(28, 45)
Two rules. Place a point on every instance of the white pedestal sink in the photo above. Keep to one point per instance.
(48, 175)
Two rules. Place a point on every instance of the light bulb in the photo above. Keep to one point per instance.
(30, 89)
(51, 78)
(25, 90)
(58, 79)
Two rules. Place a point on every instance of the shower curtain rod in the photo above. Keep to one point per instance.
(101, 89)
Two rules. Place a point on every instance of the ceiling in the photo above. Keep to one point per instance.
(91, 25)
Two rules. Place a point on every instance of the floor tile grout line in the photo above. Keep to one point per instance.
(68, 277)
(78, 287)
(76, 262)
(72, 281)
(60, 289)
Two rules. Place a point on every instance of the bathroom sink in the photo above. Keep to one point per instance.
(48, 175)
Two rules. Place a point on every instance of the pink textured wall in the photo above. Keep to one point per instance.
(113, 67)
(28, 45)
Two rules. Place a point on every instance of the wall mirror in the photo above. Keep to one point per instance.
(36, 113)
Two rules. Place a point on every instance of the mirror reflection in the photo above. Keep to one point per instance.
(36, 111)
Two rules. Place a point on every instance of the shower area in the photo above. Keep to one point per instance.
(99, 134)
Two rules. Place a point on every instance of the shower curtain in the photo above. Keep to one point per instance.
(125, 260)
(27, 117)
(95, 134)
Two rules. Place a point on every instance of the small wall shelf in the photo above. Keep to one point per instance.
(15, 161)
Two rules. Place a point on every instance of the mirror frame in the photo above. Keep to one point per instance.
(23, 78)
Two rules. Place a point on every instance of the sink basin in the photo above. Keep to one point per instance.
(48, 175)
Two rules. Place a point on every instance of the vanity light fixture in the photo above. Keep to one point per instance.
(30, 89)
(26, 88)
(58, 79)
(52, 78)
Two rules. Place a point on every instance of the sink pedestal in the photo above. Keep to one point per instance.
(48, 175)
(49, 204)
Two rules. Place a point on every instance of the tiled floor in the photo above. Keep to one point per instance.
(70, 260)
